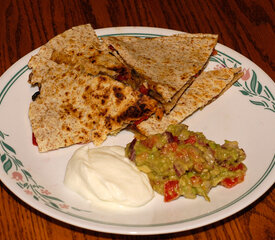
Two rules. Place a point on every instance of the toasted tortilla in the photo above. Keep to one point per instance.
(205, 89)
(168, 64)
(76, 107)
(80, 48)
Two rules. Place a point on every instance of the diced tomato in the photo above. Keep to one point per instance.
(141, 120)
(34, 140)
(231, 182)
(192, 139)
(143, 89)
(238, 167)
(171, 189)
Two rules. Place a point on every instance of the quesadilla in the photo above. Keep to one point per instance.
(205, 89)
(80, 48)
(76, 107)
(166, 65)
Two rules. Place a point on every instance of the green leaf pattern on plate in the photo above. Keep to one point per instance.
(14, 167)
(249, 84)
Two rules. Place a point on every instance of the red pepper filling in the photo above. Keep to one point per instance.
(214, 52)
(140, 120)
(34, 140)
(143, 89)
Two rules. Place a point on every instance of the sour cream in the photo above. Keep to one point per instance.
(106, 174)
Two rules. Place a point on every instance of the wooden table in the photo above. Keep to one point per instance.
(243, 25)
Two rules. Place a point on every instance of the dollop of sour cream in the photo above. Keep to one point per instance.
(106, 174)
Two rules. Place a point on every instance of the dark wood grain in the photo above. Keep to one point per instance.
(243, 25)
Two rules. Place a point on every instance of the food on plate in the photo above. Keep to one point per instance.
(104, 174)
(79, 98)
(208, 86)
(76, 107)
(180, 162)
(164, 65)
(89, 88)
(80, 48)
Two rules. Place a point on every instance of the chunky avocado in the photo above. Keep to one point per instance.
(180, 162)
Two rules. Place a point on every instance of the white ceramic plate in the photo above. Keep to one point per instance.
(246, 113)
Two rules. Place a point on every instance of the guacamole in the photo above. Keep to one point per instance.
(180, 162)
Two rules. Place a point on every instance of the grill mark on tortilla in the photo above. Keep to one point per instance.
(166, 64)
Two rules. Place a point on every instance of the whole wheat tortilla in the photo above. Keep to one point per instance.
(167, 64)
(75, 107)
(205, 89)
(80, 48)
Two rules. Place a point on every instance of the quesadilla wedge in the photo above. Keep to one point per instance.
(205, 89)
(76, 107)
(166, 65)
(80, 48)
